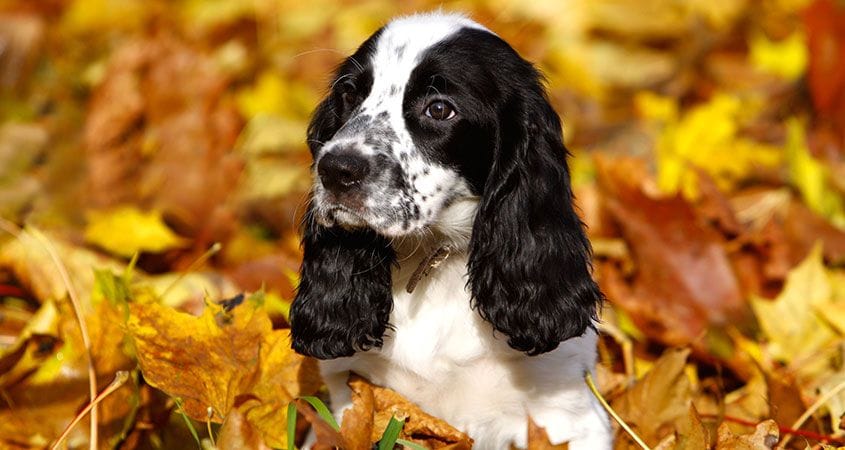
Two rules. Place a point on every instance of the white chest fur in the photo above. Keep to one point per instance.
(444, 357)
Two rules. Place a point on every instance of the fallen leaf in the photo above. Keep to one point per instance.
(786, 58)
(684, 282)
(125, 231)
(691, 433)
(811, 177)
(420, 427)
(238, 433)
(538, 439)
(654, 404)
(790, 323)
(210, 360)
(765, 437)
(357, 424)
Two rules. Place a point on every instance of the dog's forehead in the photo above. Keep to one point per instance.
(402, 44)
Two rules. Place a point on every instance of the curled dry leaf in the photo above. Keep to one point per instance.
(374, 406)
(764, 437)
(210, 360)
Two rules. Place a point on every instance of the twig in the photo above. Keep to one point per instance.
(588, 377)
(119, 378)
(812, 410)
(783, 430)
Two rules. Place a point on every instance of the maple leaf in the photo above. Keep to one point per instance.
(660, 398)
(211, 360)
(792, 326)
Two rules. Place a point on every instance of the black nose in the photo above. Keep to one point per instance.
(341, 170)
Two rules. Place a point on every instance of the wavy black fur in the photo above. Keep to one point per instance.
(529, 261)
(344, 298)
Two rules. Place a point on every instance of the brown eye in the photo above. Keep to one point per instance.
(349, 93)
(440, 110)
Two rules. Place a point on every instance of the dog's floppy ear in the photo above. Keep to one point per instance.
(344, 297)
(529, 261)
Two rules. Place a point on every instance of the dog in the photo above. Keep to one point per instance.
(442, 255)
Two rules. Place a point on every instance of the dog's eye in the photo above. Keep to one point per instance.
(440, 110)
(348, 92)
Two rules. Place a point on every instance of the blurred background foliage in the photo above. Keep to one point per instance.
(708, 142)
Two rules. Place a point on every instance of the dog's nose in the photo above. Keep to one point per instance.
(339, 171)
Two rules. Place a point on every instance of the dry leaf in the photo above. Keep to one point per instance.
(125, 231)
(654, 404)
(765, 437)
(791, 324)
(684, 282)
(357, 424)
(538, 439)
(210, 360)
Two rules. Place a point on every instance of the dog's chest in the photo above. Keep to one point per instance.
(439, 346)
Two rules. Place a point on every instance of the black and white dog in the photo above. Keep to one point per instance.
(442, 254)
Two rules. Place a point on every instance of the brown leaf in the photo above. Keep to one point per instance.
(326, 436)
(691, 434)
(159, 134)
(357, 426)
(420, 426)
(684, 282)
(538, 439)
(654, 404)
(238, 433)
(210, 360)
(825, 24)
(765, 437)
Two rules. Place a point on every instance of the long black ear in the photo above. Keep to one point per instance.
(344, 297)
(529, 261)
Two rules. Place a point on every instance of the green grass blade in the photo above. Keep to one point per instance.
(188, 423)
(291, 426)
(391, 433)
(322, 410)
(411, 445)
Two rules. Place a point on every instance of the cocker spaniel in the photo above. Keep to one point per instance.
(442, 254)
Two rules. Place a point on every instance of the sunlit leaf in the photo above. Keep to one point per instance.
(790, 323)
(811, 177)
(127, 230)
(209, 361)
(786, 58)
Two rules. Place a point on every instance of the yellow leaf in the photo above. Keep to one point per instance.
(786, 58)
(811, 177)
(273, 94)
(100, 15)
(792, 326)
(209, 361)
(707, 138)
(125, 231)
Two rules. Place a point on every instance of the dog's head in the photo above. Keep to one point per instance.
(430, 111)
